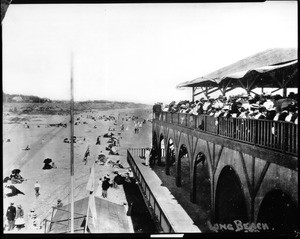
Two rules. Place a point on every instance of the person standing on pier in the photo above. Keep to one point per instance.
(147, 156)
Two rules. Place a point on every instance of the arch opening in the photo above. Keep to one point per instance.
(279, 212)
(230, 204)
(202, 181)
(202, 188)
(183, 167)
(161, 152)
(170, 156)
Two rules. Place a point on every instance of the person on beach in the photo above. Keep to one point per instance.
(98, 141)
(53, 165)
(30, 218)
(20, 222)
(37, 188)
(87, 153)
(105, 185)
(10, 215)
(34, 222)
(59, 203)
(30, 214)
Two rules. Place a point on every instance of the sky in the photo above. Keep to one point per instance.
(134, 52)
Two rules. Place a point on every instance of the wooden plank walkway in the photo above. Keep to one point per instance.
(175, 214)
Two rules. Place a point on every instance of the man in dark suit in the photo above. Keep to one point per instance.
(284, 113)
(11, 214)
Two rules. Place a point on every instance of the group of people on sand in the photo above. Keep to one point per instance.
(106, 182)
(137, 126)
(10, 190)
(15, 215)
(15, 218)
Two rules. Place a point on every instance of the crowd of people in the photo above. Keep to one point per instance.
(264, 106)
(113, 141)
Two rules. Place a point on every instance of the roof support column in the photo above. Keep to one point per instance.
(193, 94)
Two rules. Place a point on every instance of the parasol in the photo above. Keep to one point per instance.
(101, 157)
(16, 171)
(47, 160)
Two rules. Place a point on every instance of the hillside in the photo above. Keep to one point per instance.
(63, 108)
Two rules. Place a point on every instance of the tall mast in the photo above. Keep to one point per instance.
(72, 147)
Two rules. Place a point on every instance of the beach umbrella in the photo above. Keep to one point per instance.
(47, 160)
(16, 171)
(101, 157)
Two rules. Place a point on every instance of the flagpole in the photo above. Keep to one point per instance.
(72, 148)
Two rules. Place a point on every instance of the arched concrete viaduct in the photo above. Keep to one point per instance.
(259, 171)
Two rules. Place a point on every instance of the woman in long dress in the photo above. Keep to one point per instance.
(20, 222)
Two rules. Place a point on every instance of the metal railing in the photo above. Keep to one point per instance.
(276, 135)
(160, 218)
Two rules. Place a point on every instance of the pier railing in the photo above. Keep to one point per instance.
(276, 135)
(160, 218)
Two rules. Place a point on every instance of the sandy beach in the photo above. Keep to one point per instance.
(46, 141)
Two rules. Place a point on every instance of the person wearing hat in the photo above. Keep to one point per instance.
(244, 113)
(34, 222)
(268, 104)
(59, 203)
(283, 114)
(166, 108)
(206, 106)
(253, 110)
(182, 108)
(226, 113)
(118, 180)
(105, 186)
(20, 222)
(295, 115)
(37, 188)
(270, 113)
(10, 215)
(30, 218)
(261, 113)
(235, 107)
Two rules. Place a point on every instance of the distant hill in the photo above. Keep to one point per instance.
(7, 98)
(22, 104)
